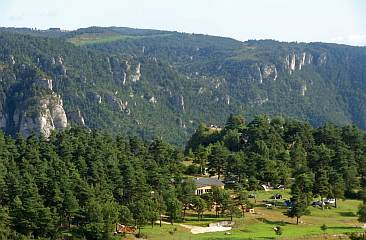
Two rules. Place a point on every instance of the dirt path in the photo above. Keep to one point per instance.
(197, 230)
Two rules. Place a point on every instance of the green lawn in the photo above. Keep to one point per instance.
(260, 225)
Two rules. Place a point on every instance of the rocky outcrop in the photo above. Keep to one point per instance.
(177, 102)
(259, 101)
(269, 72)
(137, 75)
(181, 123)
(95, 97)
(11, 59)
(260, 74)
(303, 90)
(44, 83)
(38, 114)
(153, 100)
(119, 70)
(322, 59)
(294, 61)
(227, 99)
(118, 104)
(76, 117)
(182, 102)
(60, 62)
(42, 117)
(2, 120)
(263, 72)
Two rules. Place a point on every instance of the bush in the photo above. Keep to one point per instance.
(193, 170)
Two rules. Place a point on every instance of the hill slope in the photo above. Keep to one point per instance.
(158, 83)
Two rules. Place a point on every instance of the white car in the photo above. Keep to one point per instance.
(329, 201)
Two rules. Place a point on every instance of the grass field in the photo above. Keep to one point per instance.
(86, 39)
(95, 38)
(260, 225)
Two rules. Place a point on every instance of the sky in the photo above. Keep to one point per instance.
(339, 21)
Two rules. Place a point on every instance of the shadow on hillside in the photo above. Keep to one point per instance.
(228, 238)
(280, 223)
(343, 228)
(347, 214)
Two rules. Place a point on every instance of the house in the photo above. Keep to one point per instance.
(204, 185)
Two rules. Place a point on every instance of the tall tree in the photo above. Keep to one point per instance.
(299, 204)
(201, 157)
(217, 159)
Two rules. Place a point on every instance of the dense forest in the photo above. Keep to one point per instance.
(78, 184)
(157, 83)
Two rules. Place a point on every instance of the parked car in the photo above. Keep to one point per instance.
(317, 203)
(329, 201)
(288, 203)
(231, 180)
(277, 196)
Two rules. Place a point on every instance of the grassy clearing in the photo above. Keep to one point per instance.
(339, 220)
(87, 39)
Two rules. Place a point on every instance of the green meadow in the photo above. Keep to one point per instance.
(340, 221)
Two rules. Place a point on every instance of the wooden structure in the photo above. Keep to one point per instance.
(120, 228)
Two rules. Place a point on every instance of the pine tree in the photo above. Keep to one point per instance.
(217, 160)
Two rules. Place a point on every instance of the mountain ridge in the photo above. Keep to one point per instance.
(160, 83)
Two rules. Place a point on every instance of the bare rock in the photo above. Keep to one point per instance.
(76, 117)
(46, 115)
(44, 82)
(137, 75)
(2, 120)
(117, 103)
(153, 100)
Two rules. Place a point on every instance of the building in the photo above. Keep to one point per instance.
(204, 185)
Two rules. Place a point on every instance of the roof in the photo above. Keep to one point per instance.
(204, 182)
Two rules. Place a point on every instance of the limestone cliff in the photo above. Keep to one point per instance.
(40, 113)
(43, 116)
(76, 117)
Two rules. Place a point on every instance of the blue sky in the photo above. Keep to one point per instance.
(341, 21)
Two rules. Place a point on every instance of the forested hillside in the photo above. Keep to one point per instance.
(79, 184)
(157, 83)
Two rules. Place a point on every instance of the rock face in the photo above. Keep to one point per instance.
(118, 104)
(264, 72)
(95, 97)
(322, 59)
(44, 82)
(303, 90)
(260, 74)
(137, 75)
(295, 61)
(118, 69)
(11, 60)
(182, 102)
(44, 116)
(2, 121)
(153, 100)
(269, 71)
(38, 114)
(76, 117)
